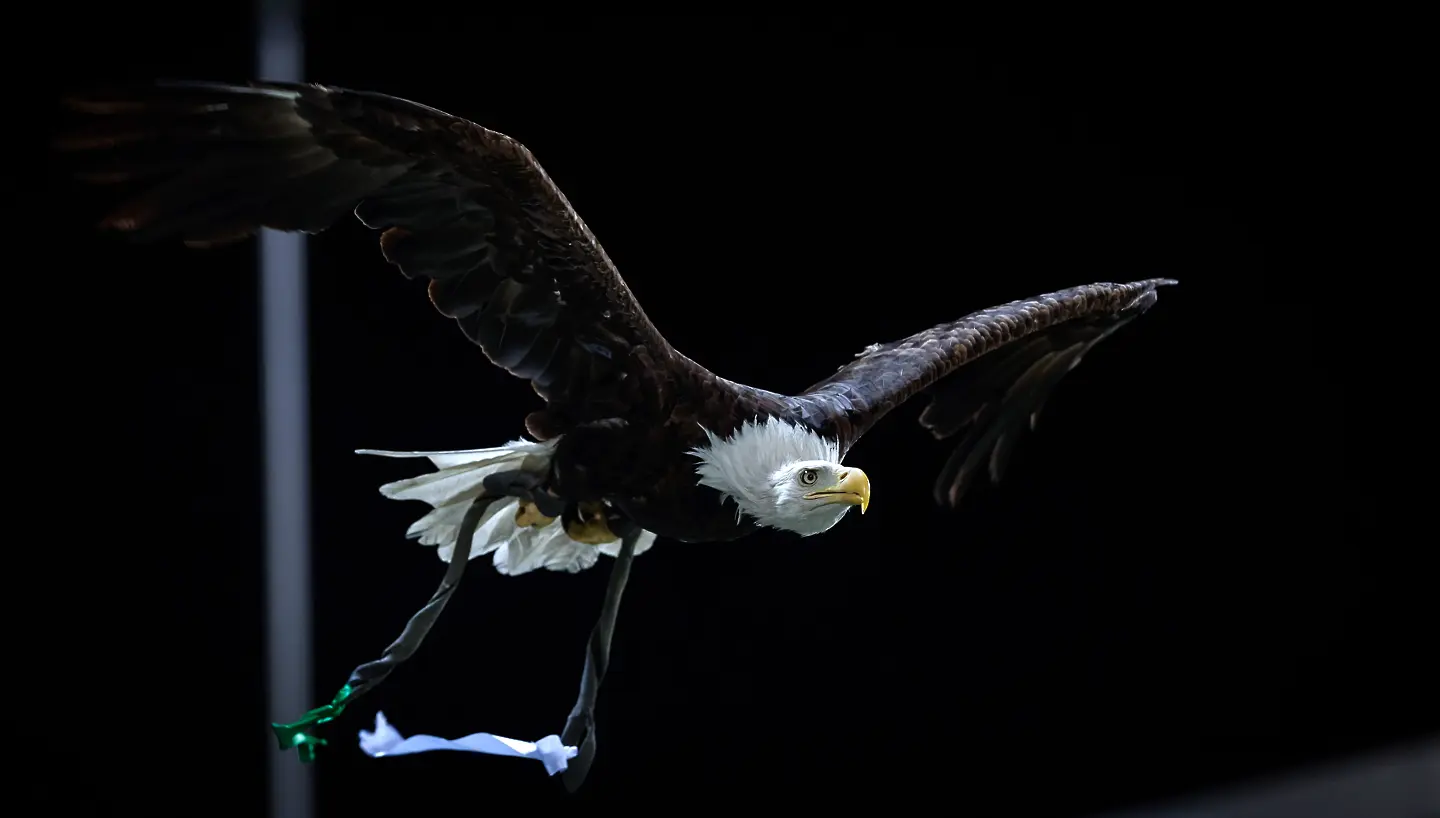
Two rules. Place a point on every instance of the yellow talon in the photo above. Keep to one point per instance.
(528, 514)
(591, 528)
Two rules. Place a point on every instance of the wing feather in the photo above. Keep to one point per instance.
(988, 375)
(465, 207)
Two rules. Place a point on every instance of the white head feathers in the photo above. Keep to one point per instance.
(768, 467)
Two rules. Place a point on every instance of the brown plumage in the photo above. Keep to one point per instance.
(1028, 346)
(507, 257)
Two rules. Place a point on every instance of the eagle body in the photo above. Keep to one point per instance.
(631, 433)
(644, 473)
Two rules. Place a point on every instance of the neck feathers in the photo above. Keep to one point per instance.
(740, 467)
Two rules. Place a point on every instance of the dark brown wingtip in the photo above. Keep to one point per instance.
(131, 218)
(119, 223)
(102, 178)
(106, 97)
(93, 105)
(96, 140)
(220, 238)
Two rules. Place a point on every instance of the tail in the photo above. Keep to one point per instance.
(518, 549)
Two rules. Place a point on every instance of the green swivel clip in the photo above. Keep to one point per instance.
(298, 733)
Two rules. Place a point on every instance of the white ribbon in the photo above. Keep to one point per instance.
(387, 741)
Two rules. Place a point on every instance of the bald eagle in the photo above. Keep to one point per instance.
(635, 440)
(632, 431)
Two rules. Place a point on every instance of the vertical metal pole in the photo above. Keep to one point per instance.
(284, 381)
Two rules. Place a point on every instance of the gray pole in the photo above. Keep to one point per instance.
(280, 55)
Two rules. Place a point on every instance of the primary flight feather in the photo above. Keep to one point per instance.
(632, 432)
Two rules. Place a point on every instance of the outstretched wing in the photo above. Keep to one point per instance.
(465, 207)
(991, 372)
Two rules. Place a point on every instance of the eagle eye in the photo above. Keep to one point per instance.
(808, 477)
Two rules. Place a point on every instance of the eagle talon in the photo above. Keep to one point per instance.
(529, 515)
(588, 523)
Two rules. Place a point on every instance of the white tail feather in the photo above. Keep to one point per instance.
(460, 479)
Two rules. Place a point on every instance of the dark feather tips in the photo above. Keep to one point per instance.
(988, 375)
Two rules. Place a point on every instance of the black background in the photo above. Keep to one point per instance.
(1162, 596)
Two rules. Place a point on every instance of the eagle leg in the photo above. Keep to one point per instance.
(580, 727)
(528, 487)
(299, 733)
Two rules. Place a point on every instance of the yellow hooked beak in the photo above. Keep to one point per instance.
(853, 488)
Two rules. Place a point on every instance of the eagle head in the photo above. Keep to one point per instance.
(784, 475)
